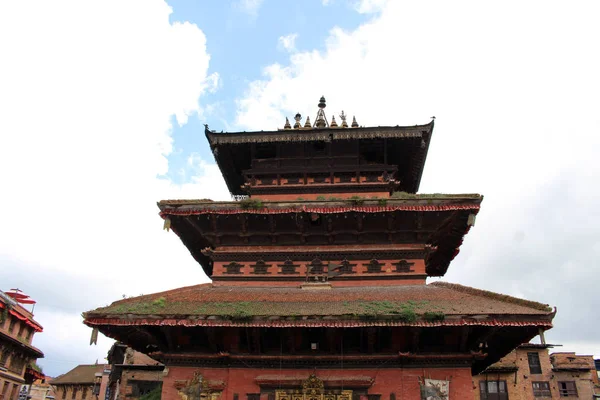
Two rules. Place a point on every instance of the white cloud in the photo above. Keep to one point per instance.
(514, 89)
(250, 7)
(88, 91)
(288, 42)
(370, 6)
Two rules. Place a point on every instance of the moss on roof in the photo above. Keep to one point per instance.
(430, 302)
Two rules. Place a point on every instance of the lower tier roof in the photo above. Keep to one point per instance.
(435, 304)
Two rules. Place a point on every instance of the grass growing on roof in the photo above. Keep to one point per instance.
(248, 204)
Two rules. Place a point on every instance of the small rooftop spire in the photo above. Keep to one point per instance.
(354, 123)
(287, 124)
(307, 123)
(333, 123)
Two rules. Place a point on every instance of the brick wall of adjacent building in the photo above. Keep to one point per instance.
(75, 392)
(135, 383)
(514, 370)
(403, 384)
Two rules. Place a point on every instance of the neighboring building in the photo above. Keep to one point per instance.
(529, 372)
(319, 276)
(17, 354)
(40, 389)
(133, 374)
(84, 382)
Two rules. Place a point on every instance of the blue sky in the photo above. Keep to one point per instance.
(103, 104)
(241, 43)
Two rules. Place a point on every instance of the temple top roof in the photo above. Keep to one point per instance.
(403, 147)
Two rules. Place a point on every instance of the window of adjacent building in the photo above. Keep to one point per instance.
(5, 388)
(21, 327)
(3, 357)
(541, 389)
(493, 390)
(16, 364)
(28, 334)
(84, 392)
(64, 393)
(567, 389)
(534, 363)
(74, 393)
(14, 394)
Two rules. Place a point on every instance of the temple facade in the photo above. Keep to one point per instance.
(319, 271)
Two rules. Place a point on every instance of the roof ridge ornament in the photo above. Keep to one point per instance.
(343, 118)
(287, 124)
(333, 123)
(307, 123)
(321, 120)
(354, 123)
(297, 118)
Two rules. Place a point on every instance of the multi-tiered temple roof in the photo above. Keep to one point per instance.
(329, 242)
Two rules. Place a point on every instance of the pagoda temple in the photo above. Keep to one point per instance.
(319, 272)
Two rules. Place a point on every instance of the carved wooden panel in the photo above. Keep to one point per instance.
(404, 266)
(233, 268)
(374, 266)
(260, 268)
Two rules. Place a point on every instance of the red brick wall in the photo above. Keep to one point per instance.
(404, 383)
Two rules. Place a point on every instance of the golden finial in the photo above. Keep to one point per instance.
(297, 118)
(287, 124)
(333, 123)
(343, 118)
(354, 123)
(307, 123)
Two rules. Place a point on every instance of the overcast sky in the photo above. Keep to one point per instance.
(102, 106)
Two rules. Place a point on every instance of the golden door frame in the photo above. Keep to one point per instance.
(312, 389)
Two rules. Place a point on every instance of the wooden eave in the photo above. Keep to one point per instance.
(24, 347)
(224, 144)
(199, 223)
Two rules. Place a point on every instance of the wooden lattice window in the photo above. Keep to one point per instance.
(74, 392)
(567, 389)
(4, 357)
(534, 363)
(16, 364)
(260, 268)
(374, 267)
(404, 266)
(541, 389)
(233, 268)
(288, 268)
(493, 390)
(316, 267)
(347, 267)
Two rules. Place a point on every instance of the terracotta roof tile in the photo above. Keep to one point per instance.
(248, 302)
(81, 374)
